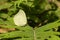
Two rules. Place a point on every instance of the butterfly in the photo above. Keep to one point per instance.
(20, 18)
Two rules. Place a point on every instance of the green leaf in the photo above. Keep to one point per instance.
(57, 12)
(5, 5)
(46, 32)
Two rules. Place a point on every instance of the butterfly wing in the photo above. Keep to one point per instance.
(20, 18)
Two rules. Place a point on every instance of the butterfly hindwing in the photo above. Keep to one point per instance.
(20, 18)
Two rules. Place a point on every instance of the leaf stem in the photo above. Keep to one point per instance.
(34, 34)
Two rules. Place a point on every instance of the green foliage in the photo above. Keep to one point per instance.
(48, 32)
(42, 16)
(57, 12)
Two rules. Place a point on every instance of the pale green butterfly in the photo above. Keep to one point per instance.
(20, 18)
